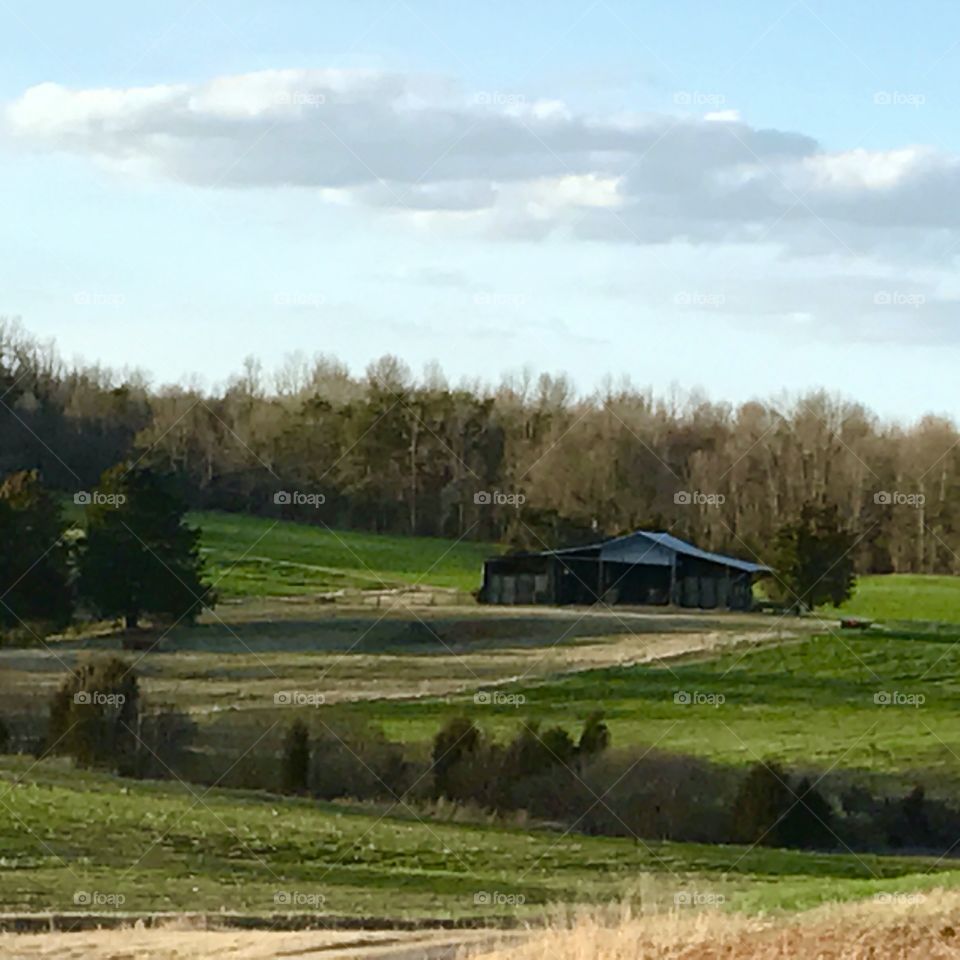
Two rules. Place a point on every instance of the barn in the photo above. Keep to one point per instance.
(637, 568)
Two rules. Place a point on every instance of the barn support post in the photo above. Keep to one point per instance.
(674, 599)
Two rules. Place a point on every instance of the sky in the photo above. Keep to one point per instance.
(749, 198)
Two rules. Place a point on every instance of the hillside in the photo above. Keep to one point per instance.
(169, 847)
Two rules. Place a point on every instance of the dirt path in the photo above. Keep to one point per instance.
(174, 944)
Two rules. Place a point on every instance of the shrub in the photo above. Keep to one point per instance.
(94, 717)
(595, 738)
(762, 801)
(908, 824)
(652, 794)
(350, 759)
(808, 824)
(296, 758)
(457, 743)
(166, 735)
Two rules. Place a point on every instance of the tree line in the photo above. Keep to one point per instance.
(527, 461)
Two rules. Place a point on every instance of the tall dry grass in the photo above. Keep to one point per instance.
(918, 927)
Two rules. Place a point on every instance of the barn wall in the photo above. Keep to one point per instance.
(582, 580)
(517, 580)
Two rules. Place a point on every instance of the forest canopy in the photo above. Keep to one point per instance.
(528, 461)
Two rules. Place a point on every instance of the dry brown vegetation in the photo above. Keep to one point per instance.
(894, 927)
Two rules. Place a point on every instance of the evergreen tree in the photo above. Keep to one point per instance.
(35, 559)
(814, 558)
(139, 557)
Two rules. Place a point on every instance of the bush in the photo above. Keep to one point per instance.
(166, 736)
(457, 744)
(808, 824)
(907, 822)
(356, 760)
(94, 717)
(771, 812)
(595, 738)
(296, 758)
(762, 801)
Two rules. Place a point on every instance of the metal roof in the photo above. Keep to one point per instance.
(657, 549)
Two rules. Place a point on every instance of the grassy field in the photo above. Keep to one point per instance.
(227, 670)
(250, 556)
(905, 597)
(256, 557)
(731, 688)
(65, 834)
(810, 702)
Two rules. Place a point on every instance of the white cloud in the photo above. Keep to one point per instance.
(723, 116)
(499, 164)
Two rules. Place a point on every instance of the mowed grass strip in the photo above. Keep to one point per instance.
(253, 556)
(811, 702)
(901, 596)
(168, 847)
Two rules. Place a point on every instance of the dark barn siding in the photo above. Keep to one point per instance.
(638, 569)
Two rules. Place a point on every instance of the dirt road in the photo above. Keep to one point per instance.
(174, 944)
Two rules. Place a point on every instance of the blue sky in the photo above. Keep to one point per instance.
(747, 199)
